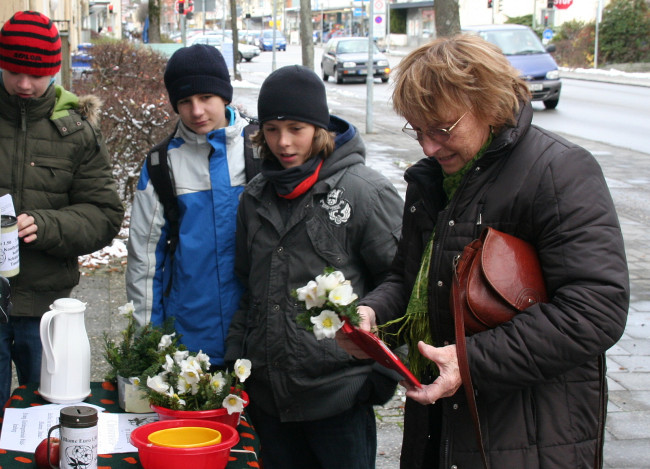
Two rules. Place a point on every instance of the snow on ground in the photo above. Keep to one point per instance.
(612, 72)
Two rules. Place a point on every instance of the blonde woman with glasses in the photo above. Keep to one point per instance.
(539, 379)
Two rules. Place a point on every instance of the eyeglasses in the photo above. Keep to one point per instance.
(439, 135)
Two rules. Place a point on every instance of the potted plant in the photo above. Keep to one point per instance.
(182, 386)
(137, 351)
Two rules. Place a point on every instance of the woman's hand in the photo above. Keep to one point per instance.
(368, 323)
(446, 384)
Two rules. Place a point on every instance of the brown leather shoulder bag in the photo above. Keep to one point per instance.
(495, 277)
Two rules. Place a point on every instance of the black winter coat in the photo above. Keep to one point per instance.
(539, 379)
(349, 220)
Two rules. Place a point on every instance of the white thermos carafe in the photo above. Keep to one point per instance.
(65, 368)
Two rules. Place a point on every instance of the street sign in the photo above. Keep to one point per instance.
(563, 4)
(379, 7)
(547, 34)
(379, 26)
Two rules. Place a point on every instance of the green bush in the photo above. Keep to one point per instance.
(526, 20)
(574, 42)
(625, 32)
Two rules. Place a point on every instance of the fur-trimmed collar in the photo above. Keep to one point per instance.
(90, 107)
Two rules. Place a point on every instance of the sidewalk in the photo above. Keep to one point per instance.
(611, 74)
(628, 425)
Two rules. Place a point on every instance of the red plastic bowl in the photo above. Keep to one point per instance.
(215, 415)
(204, 457)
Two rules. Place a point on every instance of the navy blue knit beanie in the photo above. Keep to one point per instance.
(294, 92)
(194, 70)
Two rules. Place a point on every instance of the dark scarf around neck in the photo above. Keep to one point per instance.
(293, 182)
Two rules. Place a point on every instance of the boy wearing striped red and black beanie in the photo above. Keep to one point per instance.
(57, 170)
(30, 43)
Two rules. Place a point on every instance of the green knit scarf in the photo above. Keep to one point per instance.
(414, 325)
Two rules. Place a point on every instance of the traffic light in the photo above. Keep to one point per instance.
(550, 3)
(110, 9)
(181, 7)
(489, 3)
(546, 20)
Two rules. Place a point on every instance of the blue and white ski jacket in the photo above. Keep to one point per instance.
(208, 175)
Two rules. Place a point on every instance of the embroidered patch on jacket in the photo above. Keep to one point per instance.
(339, 210)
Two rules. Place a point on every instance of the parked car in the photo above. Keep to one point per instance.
(526, 53)
(347, 57)
(250, 37)
(265, 40)
(246, 52)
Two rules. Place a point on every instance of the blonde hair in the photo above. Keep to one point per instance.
(450, 75)
(323, 143)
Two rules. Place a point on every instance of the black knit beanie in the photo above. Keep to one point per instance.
(194, 70)
(296, 93)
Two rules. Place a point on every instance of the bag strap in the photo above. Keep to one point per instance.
(158, 169)
(463, 364)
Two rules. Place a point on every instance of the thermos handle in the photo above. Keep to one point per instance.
(49, 432)
(46, 340)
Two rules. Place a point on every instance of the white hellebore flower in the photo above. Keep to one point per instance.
(158, 384)
(184, 386)
(243, 369)
(169, 364)
(195, 363)
(165, 341)
(342, 295)
(329, 282)
(233, 404)
(180, 355)
(190, 372)
(203, 358)
(126, 309)
(309, 294)
(217, 381)
(326, 324)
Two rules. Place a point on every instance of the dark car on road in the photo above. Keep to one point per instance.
(265, 40)
(347, 58)
(526, 53)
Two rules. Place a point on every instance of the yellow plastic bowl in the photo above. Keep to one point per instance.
(185, 437)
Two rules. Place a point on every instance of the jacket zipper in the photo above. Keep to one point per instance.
(19, 160)
(444, 228)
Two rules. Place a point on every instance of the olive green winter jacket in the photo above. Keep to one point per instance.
(56, 167)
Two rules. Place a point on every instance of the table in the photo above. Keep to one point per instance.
(243, 455)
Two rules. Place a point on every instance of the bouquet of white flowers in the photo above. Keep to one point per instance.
(328, 301)
(182, 381)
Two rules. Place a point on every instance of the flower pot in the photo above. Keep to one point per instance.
(131, 398)
(215, 415)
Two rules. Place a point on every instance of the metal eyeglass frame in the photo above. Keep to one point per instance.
(439, 135)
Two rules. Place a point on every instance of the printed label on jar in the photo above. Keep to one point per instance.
(78, 448)
(9, 253)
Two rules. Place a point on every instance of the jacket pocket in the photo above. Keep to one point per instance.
(326, 244)
(252, 323)
(530, 418)
(51, 174)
